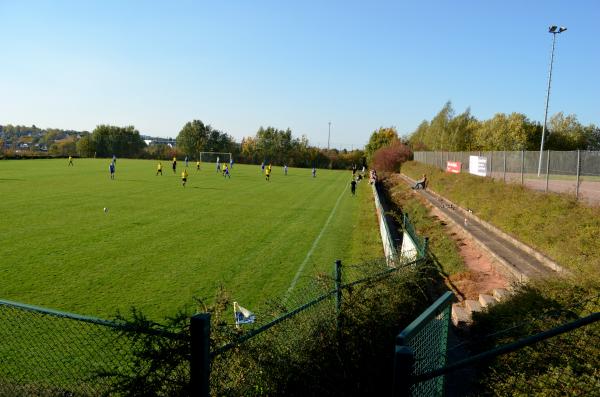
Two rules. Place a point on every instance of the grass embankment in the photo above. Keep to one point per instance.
(555, 224)
(565, 230)
(442, 246)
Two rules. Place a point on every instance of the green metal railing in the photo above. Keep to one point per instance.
(421, 347)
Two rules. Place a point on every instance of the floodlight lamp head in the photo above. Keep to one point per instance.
(552, 28)
(562, 29)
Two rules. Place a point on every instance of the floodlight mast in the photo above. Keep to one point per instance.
(554, 30)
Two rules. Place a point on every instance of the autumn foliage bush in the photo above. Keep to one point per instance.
(389, 158)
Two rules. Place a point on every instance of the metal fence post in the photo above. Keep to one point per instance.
(492, 164)
(200, 357)
(522, 165)
(578, 168)
(504, 168)
(404, 219)
(338, 290)
(425, 246)
(404, 361)
(547, 170)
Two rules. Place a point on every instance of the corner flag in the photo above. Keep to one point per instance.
(242, 315)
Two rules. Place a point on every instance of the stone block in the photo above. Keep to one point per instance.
(459, 315)
(501, 294)
(472, 305)
(486, 300)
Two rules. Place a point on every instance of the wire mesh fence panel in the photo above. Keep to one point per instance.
(47, 355)
(430, 347)
(267, 362)
(514, 163)
(427, 337)
(589, 176)
(563, 163)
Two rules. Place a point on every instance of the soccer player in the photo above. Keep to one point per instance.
(353, 186)
(111, 168)
(223, 168)
(262, 166)
(197, 165)
(226, 172)
(174, 164)
(186, 161)
(268, 174)
(218, 165)
(285, 169)
(314, 172)
(70, 160)
(159, 169)
(231, 162)
(184, 176)
(114, 159)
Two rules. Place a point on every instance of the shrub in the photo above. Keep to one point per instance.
(303, 355)
(563, 365)
(390, 158)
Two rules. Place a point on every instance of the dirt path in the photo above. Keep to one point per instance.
(481, 276)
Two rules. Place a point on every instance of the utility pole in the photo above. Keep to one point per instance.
(328, 135)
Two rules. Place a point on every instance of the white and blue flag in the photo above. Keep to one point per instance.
(242, 315)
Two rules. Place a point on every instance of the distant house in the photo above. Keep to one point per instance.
(160, 141)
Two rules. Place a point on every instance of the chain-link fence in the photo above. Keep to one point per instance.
(570, 172)
(301, 325)
(421, 347)
(50, 353)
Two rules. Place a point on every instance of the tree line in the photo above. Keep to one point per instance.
(463, 132)
(268, 144)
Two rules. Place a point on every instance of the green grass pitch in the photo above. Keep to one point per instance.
(160, 244)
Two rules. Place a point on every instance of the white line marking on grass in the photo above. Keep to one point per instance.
(314, 245)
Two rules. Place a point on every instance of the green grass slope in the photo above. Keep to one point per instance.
(160, 244)
(555, 224)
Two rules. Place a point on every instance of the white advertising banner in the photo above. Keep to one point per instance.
(478, 165)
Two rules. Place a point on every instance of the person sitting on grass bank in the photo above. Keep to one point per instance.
(421, 183)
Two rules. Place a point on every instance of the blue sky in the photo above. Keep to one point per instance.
(239, 65)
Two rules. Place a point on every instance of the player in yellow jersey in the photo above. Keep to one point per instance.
(159, 168)
(268, 173)
(197, 166)
(184, 176)
(70, 160)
